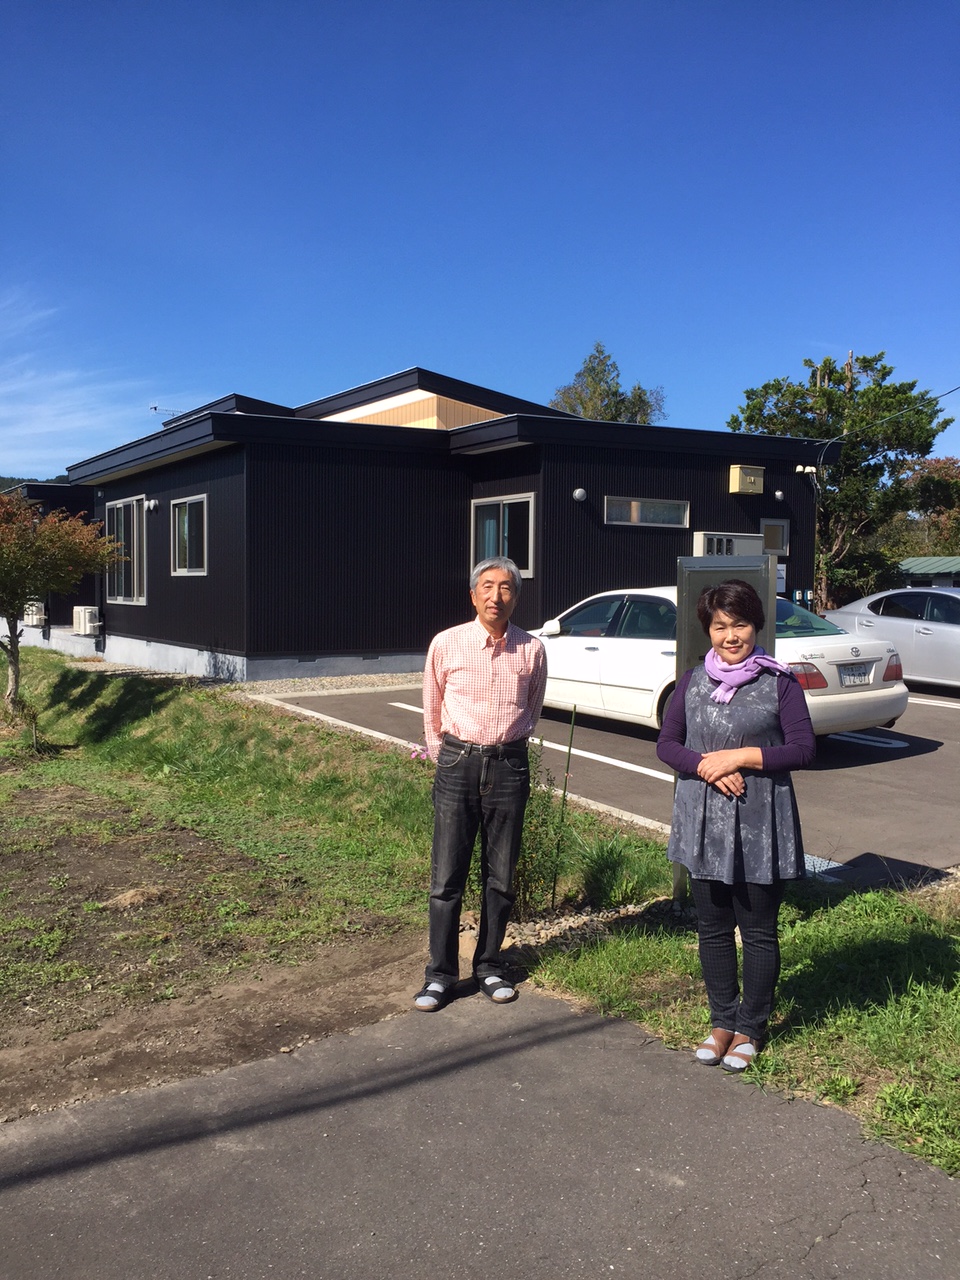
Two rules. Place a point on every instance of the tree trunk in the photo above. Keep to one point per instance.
(12, 647)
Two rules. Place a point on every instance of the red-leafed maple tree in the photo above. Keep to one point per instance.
(40, 554)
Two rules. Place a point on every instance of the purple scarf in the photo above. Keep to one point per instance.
(732, 675)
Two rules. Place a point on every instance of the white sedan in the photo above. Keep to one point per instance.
(614, 655)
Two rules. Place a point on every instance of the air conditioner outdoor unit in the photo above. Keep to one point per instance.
(86, 620)
(34, 614)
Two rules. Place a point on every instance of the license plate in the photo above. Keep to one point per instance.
(855, 673)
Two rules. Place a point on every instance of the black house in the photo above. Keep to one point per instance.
(262, 540)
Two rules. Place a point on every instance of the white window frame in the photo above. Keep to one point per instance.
(638, 505)
(781, 524)
(530, 498)
(136, 562)
(176, 570)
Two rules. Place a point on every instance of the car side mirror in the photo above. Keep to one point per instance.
(551, 628)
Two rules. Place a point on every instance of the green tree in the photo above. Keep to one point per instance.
(39, 555)
(884, 429)
(931, 527)
(595, 393)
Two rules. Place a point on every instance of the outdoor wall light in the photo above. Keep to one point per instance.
(778, 494)
(579, 495)
(805, 471)
(151, 504)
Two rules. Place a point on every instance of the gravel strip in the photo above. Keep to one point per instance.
(307, 684)
(329, 684)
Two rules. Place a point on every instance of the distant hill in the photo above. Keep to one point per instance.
(8, 482)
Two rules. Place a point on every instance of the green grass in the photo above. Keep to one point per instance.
(868, 1014)
(273, 836)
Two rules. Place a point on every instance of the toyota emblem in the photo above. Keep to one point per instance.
(854, 651)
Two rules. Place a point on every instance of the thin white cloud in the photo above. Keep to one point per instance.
(52, 415)
(19, 313)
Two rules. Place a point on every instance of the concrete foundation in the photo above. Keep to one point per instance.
(153, 655)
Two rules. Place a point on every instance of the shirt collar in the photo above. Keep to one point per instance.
(486, 638)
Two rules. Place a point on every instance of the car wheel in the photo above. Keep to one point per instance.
(665, 699)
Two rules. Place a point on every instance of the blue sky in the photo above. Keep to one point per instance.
(286, 199)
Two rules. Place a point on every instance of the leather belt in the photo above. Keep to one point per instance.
(496, 752)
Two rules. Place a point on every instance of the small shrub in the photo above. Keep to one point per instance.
(612, 872)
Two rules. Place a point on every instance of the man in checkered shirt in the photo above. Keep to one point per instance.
(483, 688)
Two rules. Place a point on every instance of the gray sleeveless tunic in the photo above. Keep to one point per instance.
(753, 837)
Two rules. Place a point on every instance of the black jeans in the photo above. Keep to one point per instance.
(754, 908)
(474, 792)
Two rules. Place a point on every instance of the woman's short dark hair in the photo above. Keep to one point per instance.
(734, 597)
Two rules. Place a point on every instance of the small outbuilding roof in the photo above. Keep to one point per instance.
(931, 564)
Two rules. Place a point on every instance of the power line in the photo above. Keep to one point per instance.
(879, 423)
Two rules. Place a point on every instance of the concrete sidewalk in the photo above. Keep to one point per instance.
(521, 1141)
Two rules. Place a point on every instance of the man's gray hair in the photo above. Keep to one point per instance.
(496, 562)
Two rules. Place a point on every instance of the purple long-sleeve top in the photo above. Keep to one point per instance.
(799, 743)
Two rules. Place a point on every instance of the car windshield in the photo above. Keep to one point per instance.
(794, 620)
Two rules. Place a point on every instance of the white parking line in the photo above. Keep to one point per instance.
(586, 755)
(929, 702)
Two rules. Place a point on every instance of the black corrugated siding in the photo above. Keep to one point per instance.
(353, 550)
(205, 612)
(497, 475)
(580, 555)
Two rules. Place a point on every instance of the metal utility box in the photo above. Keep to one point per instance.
(693, 574)
(696, 572)
(727, 544)
(746, 479)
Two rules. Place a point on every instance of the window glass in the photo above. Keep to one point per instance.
(640, 511)
(504, 527)
(486, 531)
(794, 620)
(905, 604)
(592, 618)
(126, 577)
(516, 532)
(188, 519)
(647, 618)
(943, 609)
(776, 536)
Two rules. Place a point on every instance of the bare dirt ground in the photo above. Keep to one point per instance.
(135, 988)
(351, 985)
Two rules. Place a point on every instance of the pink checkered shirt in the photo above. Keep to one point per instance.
(482, 689)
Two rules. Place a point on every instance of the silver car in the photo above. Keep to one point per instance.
(923, 623)
(614, 654)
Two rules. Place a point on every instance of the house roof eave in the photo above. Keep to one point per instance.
(519, 429)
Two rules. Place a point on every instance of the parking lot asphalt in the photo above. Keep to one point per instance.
(529, 1141)
(883, 796)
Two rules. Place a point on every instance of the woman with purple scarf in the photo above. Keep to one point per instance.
(735, 728)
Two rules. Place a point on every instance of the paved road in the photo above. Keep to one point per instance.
(886, 792)
(523, 1143)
